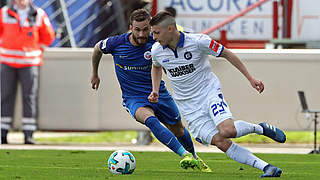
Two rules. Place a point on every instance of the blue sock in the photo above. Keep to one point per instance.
(164, 135)
(186, 141)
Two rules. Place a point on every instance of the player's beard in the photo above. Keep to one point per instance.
(140, 41)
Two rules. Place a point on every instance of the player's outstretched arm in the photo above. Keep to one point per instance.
(235, 61)
(96, 56)
(156, 75)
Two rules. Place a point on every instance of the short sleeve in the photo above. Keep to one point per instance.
(210, 46)
(109, 44)
(155, 62)
(103, 46)
(154, 57)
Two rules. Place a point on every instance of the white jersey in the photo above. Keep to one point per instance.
(188, 68)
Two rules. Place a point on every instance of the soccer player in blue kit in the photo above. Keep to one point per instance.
(132, 61)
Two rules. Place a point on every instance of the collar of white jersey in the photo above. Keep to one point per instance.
(181, 41)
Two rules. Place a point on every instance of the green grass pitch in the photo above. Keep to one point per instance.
(90, 165)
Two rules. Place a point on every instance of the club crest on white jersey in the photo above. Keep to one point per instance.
(188, 66)
(187, 55)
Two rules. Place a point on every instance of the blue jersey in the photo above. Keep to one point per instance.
(132, 65)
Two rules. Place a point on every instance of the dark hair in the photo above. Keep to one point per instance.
(171, 10)
(159, 17)
(139, 15)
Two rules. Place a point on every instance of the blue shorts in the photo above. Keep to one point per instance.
(165, 110)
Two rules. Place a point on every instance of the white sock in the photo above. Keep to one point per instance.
(244, 128)
(242, 155)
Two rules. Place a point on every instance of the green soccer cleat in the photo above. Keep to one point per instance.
(202, 166)
(188, 161)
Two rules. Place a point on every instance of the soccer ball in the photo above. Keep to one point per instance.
(121, 162)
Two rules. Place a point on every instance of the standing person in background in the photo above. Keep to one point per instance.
(132, 63)
(198, 94)
(24, 29)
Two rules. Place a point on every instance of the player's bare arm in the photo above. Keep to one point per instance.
(96, 56)
(156, 75)
(235, 61)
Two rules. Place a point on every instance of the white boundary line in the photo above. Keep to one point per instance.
(157, 148)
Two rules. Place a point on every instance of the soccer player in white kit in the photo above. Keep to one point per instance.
(198, 94)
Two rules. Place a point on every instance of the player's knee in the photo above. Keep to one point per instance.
(143, 113)
(177, 131)
(180, 132)
(227, 130)
(228, 133)
(221, 142)
(217, 139)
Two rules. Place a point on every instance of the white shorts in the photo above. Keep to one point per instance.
(203, 122)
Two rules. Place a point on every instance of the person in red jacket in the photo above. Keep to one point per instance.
(24, 30)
